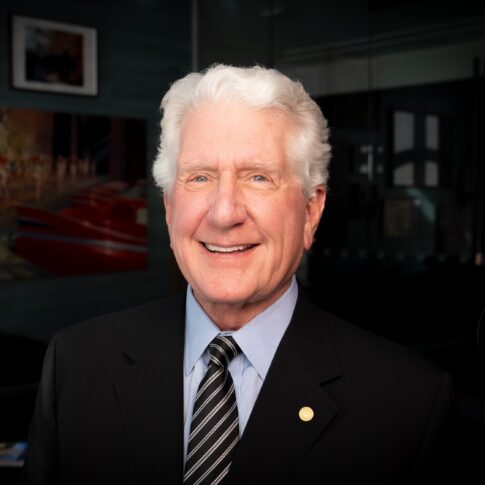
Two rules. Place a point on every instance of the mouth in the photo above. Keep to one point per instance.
(213, 248)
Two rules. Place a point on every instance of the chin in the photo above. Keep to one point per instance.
(226, 293)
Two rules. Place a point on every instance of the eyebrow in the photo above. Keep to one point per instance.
(197, 167)
(241, 166)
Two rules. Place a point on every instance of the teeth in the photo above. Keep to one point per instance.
(219, 249)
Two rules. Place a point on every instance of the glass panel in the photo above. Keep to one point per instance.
(396, 82)
(432, 140)
(431, 173)
(403, 149)
(404, 174)
(432, 132)
(403, 131)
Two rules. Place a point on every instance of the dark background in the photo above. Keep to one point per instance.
(412, 274)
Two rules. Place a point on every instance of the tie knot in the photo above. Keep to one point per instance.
(222, 350)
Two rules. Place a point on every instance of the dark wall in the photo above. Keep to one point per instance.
(143, 45)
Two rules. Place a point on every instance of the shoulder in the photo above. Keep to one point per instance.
(361, 352)
(379, 380)
(119, 327)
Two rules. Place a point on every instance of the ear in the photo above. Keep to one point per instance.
(168, 213)
(166, 204)
(314, 211)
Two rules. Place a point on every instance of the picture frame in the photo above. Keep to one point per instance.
(53, 57)
(73, 195)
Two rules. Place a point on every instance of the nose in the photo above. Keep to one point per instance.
(227, 207)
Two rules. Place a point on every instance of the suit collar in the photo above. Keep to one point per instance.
(275, 437)
(149, 392)
(309, 336)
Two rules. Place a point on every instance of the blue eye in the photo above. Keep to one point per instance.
(259, 178)
(200, 178)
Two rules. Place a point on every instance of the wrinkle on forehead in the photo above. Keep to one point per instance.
(240, 138)
(218, 115)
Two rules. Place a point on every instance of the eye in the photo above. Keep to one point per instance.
(259, 178)
(199, 178)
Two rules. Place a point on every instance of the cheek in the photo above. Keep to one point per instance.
(299, 238)
(180, 231)
(185, 216)
(286, 227)
(295, 215)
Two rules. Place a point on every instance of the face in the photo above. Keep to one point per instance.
(238, 219)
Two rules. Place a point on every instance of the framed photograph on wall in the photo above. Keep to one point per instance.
(72, 194)
(54, 57)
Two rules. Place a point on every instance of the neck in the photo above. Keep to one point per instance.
(233, 316)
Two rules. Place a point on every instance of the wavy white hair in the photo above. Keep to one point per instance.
(255, 87)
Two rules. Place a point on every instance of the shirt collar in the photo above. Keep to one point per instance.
(258, 339)
(200, 330)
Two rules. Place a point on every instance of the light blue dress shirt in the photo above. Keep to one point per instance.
(258, 340)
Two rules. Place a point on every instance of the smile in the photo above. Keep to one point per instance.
(231, 249)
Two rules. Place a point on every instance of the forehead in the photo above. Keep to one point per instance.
(234, 132)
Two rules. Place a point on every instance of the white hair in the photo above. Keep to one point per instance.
(255, 87)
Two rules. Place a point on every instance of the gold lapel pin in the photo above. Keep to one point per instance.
(306, 413)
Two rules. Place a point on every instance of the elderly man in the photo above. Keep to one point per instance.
(242, 379)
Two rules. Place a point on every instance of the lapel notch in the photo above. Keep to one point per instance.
(149, 392)
(276, 438)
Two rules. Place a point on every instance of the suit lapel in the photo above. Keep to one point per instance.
(275, 438)
(149, 392)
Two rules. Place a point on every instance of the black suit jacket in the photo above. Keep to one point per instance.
(110, 406)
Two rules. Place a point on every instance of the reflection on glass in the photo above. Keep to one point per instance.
(403, 131)
(404, 142)
(431, 168)
(432, 132)
(431, 173)
(404, 174)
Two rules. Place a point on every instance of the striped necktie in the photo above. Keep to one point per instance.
(214, 431)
